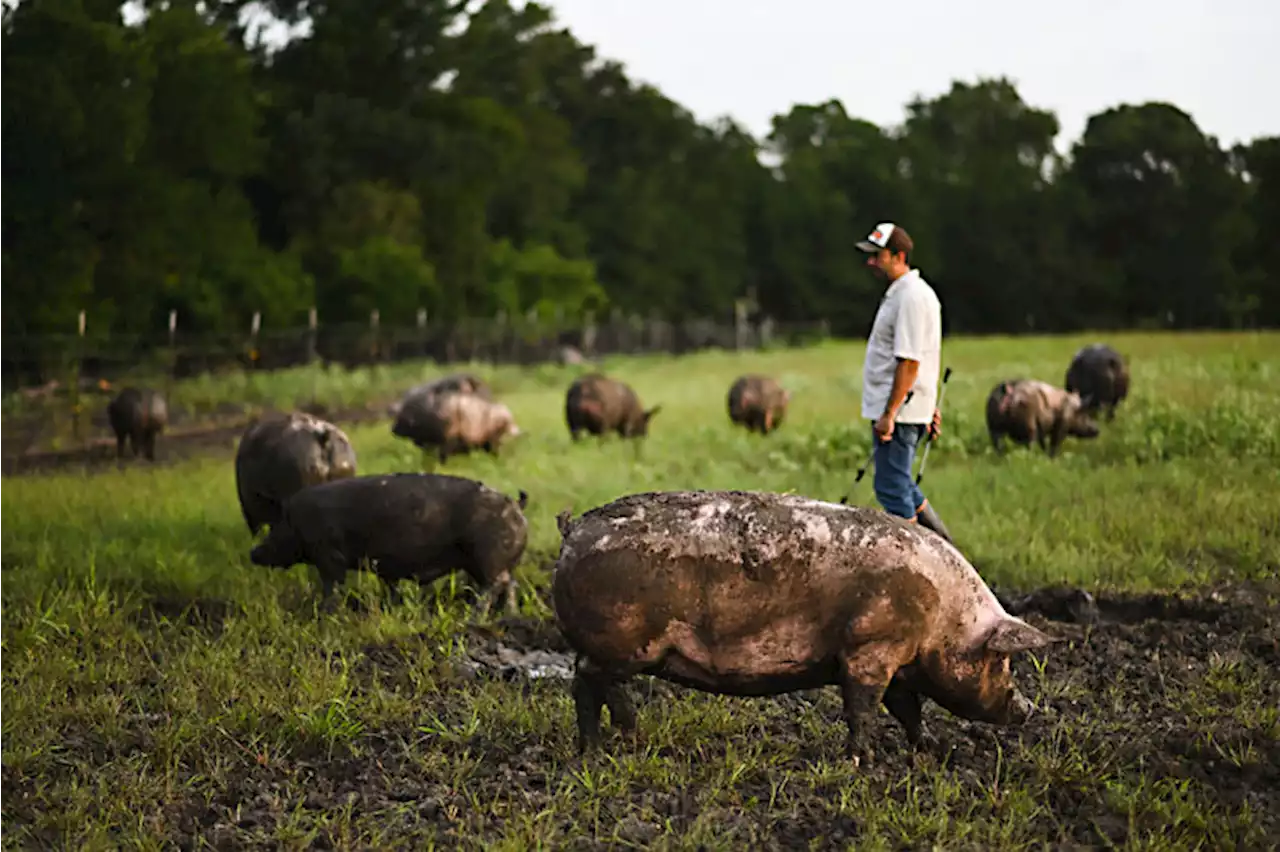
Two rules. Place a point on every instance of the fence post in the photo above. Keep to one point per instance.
(254, 327)
(422, 332)
(589, 335)
(740, 324)
(375, 349)
(74, 390)
(173, 355)
(312, 327)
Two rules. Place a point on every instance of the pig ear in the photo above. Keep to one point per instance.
(648, 415)
(1013, 635)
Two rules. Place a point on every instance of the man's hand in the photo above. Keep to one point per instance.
(935, 428)
(884, 427)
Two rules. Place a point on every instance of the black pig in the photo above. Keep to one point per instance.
(138, 416)
(1100, 375)
(416, 526)
(280, 455)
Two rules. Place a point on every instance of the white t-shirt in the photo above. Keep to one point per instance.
(907, 325)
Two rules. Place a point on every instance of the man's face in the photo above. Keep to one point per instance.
(885, 265)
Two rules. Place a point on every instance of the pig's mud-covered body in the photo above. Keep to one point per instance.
(138, 416)
(751, 594)
(454, 423)
(758, 402)
(1026, 410)
(598, 404)
(1100, 375)
(280, 455)
(408, 525)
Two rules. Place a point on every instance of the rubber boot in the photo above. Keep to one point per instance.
(929, 518)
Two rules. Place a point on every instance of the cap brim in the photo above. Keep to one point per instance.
(870, 248)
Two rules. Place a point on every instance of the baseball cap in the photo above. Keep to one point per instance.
(886, 235)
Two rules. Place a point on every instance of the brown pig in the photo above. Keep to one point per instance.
(455, 423)
(758, 402)
(1029, 410)
(1101, 377)
(599, 404)
(750, 594)
(280, 455)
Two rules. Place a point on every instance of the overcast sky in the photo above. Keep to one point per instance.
(751, 59)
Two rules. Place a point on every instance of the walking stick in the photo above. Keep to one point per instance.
(941, 396)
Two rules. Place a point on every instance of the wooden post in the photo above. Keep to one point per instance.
(312, 328)
(74, 391)
(254, 327)
(374, 317)
(173, 356)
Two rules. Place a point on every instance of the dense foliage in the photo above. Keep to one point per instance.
(474, 159)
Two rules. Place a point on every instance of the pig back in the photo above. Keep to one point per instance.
(739, 563)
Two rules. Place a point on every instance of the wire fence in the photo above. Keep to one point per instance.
(55, 386)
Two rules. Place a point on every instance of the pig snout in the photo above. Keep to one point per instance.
(278, 550)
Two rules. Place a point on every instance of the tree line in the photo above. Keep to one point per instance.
(474, 159)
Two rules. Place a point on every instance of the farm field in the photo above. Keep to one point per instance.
(158, 690)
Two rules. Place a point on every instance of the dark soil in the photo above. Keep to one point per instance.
(1129, 699)
(185, 438)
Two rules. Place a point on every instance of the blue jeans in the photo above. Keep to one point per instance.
(894, 486)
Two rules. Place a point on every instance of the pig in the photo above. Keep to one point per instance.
(1029, 410)
(418, 526)
(599, 404)
(1101, 377)
(455, 423)
(758, 402)
(454, 383)
(755, 594)
(280, 455)
(138, 416)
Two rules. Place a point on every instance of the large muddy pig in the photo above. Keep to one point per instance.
(138, 416)
(453, 383)
(758, 403)
(1029, 410)
(749, 594)
(408, 526)
(1100, 375)
(599, 404)
(454, 423)
(280, 455)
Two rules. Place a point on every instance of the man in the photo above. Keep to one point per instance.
(904, 353)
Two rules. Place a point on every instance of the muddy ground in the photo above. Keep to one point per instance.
(188, 436)
(1126, 699)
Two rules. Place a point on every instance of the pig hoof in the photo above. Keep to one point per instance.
(860, 756)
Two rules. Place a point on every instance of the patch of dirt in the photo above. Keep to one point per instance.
(174, 445)
(1143, 691)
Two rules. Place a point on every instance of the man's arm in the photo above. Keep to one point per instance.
(904, 377)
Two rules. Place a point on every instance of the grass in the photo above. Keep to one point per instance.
(159, 689)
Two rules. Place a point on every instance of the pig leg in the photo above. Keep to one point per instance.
(866, 674)
(905, 706)
(593, 690)
(1059, 434)
(621, 711)
(589, 689)
(997, 440)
